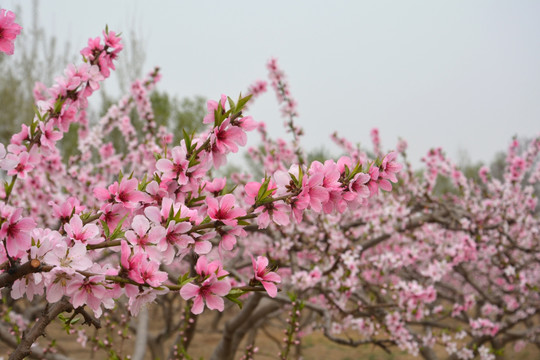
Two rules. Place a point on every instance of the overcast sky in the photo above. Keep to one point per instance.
(463, 75)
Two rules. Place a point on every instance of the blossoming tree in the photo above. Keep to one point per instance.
(110, 232)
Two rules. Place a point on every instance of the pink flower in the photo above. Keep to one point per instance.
(263, 275)
(204, 268)
(94, 47)
(156, 191)
(130, 263)
(175, 236)
(483, 173)
(372, 184)
(227, 138)
(16, 231)
(228, 237)
(139, 269)
(358, 189)
(112, 40)
(6, 164)
(224, 211)
(144, 240)
(175, 169)
(252, 190)
(142, 298)
(87, 291)
(149, 273)
(215, 186)
(25, 162)
(30, 285)
(202, 245)
(257, 88)
(313, 192)
(212, 106)
(57, 281)
(161, 216)
(247, 123)
(376, 141)
(211, 289)
(107, 150)
(8, 31)
(125, 193)
(70, 258)
(113, 214)
(86, 234)
(389, 168)
(66, 209)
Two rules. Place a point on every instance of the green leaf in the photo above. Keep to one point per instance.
(292, 296)
(58, 105)
(206, 220)
(218, 115)
(36, 111)
(143, 183)
(295, 180)
(187, 139)
(106, 230)
(231, 103)
(300, 176)
(269, 192)
(117, 233)
(185, 279)
(262, 190)
(171, 213)
(224, 191)
(236, 292)
(235, 300)
(242, 102)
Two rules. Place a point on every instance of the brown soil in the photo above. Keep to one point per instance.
(314, 346)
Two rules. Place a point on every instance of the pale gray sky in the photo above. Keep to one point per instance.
(463, 75)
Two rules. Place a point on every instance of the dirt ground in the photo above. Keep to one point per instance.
(314, 346)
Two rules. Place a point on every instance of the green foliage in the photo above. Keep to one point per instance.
(178, 114)
(497, 165)
(319, 154)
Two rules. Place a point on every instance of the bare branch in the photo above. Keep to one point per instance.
(49, 314)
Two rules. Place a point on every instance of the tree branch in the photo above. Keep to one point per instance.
(49, 314)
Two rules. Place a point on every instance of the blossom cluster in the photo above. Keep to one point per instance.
(370, 247)
(9, 30)
(155, 217)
